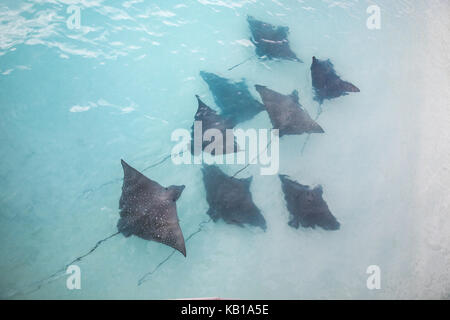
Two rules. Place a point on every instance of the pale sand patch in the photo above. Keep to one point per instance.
(432, 262)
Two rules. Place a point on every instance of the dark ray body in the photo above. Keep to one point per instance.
(148, 210)
(306, 206)
(233, 98)
(230, 198)
(286, 113)
(211, 120)
(271, 41)
(326, 83)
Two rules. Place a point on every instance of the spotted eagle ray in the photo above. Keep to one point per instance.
(148, 210)
(327, 84)
(286, 113)
(271, 41)
(209, 119)
(233, 98)
(230, 198)
(306, 206)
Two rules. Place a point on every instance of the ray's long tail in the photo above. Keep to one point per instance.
(144, 278)
(319, 112)
(58, 274)
(253, 160)
(241, 63)
(159, 162)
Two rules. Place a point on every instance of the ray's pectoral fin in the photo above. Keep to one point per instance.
(235, 222)
(349, 87)
(172, 236)
(125, 227)
(174, 192)
(294, 222)
(213, 214)
(294, 96)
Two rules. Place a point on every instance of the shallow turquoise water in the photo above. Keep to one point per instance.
(74, 102)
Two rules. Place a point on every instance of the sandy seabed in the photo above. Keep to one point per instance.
(432, 262)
